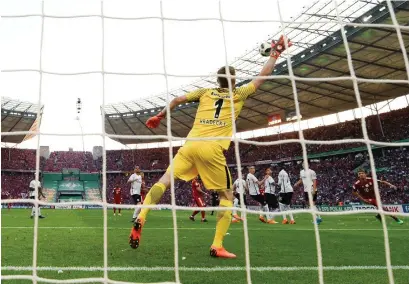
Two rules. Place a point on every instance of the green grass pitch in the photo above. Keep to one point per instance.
(74, 238)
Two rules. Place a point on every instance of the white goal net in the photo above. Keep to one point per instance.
(336, 20)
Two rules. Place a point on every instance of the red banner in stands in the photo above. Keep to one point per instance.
(274, 119)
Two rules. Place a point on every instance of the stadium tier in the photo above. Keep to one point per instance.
(394, 128)
(335, 174)
(334, 163)
(18, 116)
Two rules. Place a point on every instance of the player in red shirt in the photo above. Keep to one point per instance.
(363, 188)
(117, 198)
(198, 193)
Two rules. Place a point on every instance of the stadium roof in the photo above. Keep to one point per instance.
(16, 116)
(318, 52)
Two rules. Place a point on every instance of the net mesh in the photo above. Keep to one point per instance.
(169, 137)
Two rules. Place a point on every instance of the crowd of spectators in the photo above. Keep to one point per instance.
(151, 159)
(394, 127)
(17, 159)
(70, 159)
(335, 177)
(15, 184)
(158, 158)
(335, 173)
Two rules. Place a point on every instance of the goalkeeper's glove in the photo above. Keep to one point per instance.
(278, 47)
(154, 121)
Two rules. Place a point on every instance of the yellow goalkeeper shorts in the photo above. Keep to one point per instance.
(204, 158)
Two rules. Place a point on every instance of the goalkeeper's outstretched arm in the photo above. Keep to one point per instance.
(154, 121)
(276, 49)
(194, 96)
(173, 103)
(266, 71)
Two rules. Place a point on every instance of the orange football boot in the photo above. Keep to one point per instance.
(221, 252)
(235, 221)
(135, 236)
(237, 217)
(261, 218)
(292, 222)
(285, 221)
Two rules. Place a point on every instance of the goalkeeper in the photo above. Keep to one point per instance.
(205, 158)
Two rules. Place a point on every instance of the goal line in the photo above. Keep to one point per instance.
(204, 269)
(209, 228)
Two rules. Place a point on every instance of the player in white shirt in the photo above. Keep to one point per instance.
(286, 194)
(32, 189)
(309, 179)
(270, 194)
(239, 186)
(254, 189)
(136, 181)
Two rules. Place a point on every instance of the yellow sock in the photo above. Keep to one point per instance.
(223, 223)
(154, 195)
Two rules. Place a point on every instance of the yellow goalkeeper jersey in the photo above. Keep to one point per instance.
(213, 116)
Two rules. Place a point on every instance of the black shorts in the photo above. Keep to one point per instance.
(237, 195)
(271, 200)
(33, 197)
(314, 196)
(136, 198)
(259, 198)
(285, 198)
(215, 199)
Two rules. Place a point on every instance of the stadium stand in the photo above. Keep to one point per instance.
(16, 159)
(151, 159)
(345, 130)
(334, 164)
(70, 159)
(15, 184)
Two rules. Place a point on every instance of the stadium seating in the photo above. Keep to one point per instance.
(15, 184)
(335, 173)
(16, 159)
(335, 177)
(345, 130)
(70, 159)
(150, 159)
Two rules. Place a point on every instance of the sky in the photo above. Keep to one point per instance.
(75, 45)
(191, 48)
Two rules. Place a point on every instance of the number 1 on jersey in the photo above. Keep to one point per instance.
(218, 105)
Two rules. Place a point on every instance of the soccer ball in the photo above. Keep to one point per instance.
(265, 49)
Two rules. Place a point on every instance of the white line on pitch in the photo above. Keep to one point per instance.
(270, 228)
(204, 269)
